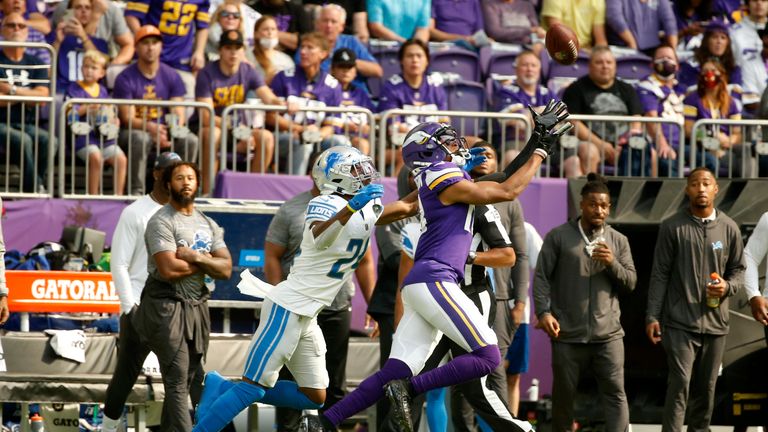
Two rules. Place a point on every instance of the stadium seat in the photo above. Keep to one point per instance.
(387, 58)
(463, 62)
(466, 95)
(501, 63)
(633, 67)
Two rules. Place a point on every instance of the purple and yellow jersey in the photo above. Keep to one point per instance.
(77, 90)
(447, 229)
(164, 86)
(226, 90)
(177, 20)
(70, 66)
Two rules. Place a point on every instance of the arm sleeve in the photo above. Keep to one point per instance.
(203, 85)
(754, 253)
(623, 268)
(545, 267)
(278, 85)
(202, 18)
(635, 107)
(439, 179)
(375, 12)
(119, 26)
(159, 236)
(552, 8)
(217, 233)
(667, 17)
(615, 16)
(492, 231)
(521, 270)
(177, 89)
(663, 262)
(137, 8)
(599, 10)
(734, 268)
(422, 21)
(124, 241)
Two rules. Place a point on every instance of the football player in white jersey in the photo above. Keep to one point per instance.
(337, 228)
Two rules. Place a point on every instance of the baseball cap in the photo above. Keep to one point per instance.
(717, 25)
(167, 159)
(147, 31)
(344, 57)
(231, 38)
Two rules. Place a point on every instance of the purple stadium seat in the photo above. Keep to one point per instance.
(633, 67)
(502, 63)
(387, 58)
(466, 95)
(456, 60)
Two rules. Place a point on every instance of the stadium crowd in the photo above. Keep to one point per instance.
(679, 61)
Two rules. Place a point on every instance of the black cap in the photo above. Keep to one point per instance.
(231, 38)
(166, 159)
(344, 57)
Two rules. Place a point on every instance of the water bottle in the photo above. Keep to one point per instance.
(533, 390)
(713, 301)
(36, 423)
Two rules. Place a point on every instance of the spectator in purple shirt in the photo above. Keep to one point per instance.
(306, 86)
(412, 89)
(354, 125)
(637, 24)
(39, 26)
(455, 20)
(512, 21)
(661, 96)
(226, 82)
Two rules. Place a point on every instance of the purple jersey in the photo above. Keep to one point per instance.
(689, 77)
(695, 109)
(294, 86)
(226, 90)
(71, 52)
(177, 20)
(667, 102)
(512, 98)
(430, 96)
(164, 86)
(76, 90)
(445, 240)
(354, 97)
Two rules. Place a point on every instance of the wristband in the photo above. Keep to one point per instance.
(351, 209)
(471, 257)
(541, 152)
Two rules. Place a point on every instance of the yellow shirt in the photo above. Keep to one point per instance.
(579, 15)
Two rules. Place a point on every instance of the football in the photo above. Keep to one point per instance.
(562, 44)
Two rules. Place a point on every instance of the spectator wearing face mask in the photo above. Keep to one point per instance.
(661, 96)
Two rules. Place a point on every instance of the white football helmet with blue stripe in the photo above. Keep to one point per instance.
(344, 170)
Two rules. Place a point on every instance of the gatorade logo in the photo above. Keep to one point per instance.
(79, 290)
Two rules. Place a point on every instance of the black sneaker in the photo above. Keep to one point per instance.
(399, 394)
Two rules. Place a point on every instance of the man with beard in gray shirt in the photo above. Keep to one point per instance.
(172, 319)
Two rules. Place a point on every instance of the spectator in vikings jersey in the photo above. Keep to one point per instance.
(513, 22)
(330, 22)
(456, 20)
(719, 147)
(412, 89)
(355, 125)
(600, 92)
(399, 20)
(151, 128)
(268, 59)
(515, 97)
(226, 82)
(747, 46)
(39, 26)
(638, 24)
(306, 86)
(97, 147)
(82, 30)
(184, 28)
(24, 75)
(716, 45)
(661, 96)
(356, 23)
(292, 20)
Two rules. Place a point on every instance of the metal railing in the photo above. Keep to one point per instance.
(15, 158)
(465, 122)
(181, 137)
(633, 146)
(241, 127)
(738, 159)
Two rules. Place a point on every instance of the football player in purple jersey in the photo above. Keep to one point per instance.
(431, 298)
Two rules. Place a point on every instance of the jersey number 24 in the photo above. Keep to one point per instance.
(357, 247)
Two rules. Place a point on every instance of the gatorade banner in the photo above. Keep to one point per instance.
(61, 291)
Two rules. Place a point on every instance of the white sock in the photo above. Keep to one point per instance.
(109, 425)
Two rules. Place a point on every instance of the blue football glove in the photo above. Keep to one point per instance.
(364, 195)
(476, 157)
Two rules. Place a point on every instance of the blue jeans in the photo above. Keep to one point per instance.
(638, 164)
(21, 142)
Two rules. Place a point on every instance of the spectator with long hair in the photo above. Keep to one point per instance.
(226, 17)
(268, 59)
(712, 100)
(716, 46)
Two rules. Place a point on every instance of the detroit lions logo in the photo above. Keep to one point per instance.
(202, 242)
(332, 160)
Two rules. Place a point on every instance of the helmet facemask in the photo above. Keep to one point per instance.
(448, 137)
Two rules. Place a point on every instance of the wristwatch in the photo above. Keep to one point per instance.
(12, 91)
(471, 257)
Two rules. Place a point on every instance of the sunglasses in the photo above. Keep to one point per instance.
(227, 14)
(12, 25)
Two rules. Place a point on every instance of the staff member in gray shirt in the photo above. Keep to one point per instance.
(280, 248)
(583, 266)
(172, 319)
(691, 245)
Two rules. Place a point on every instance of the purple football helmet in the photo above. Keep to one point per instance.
(429, 143)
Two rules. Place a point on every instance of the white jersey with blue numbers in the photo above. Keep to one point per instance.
(317, 275)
